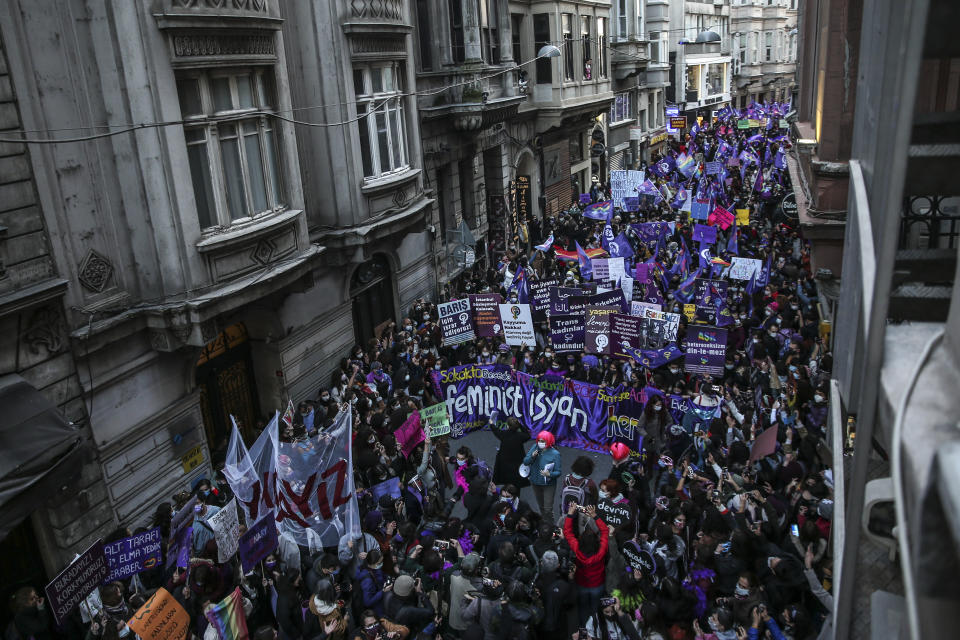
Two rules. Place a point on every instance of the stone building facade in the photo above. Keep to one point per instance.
(764, 50)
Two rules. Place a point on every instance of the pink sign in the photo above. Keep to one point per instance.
(721, 217)
(410, 434)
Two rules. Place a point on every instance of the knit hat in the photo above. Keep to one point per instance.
(403, 586)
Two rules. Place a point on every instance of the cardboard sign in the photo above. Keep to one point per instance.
(161, 618)
(517, 325)
(132, 555)
(614, 515)
(637, 307)
(258, 541)
(567, 333)
(77, 581)
(601, 269)
(721, 217)
(455, 321)
(743, 217)
(744, 268)
(226, 530)
(436, 419)
(486, 313)
(764, 444)
(689, 310)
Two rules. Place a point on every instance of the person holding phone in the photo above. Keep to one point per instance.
(590, 551)
(610, 622)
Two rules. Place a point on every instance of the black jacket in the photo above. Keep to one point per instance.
(506, 468)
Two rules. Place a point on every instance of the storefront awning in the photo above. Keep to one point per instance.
(37, 450)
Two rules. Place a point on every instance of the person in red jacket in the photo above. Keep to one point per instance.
(590, 552)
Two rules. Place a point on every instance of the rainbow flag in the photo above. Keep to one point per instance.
(571, 256)
(602, 211)
(720, 261)
(227, 617)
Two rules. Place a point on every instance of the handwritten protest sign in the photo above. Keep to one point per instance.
(226, 530)
(613, 514)
(87, 572)
(744, 268)
(132, 555)
(161, 618)
(437, 420)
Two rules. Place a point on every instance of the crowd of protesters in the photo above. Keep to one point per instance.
(738, 548)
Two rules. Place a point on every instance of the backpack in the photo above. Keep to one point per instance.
(573, 492)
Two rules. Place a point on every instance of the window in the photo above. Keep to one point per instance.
(489, 38)
(715, 79)
(601, 66)
(622, 108)
(382, 123)
(755, 47)
(234, 165)
(424, 38)
(693, 83)
(516, 21)
(456, 31)
(768, 45)
(586, 47)
(654, 46)
(642, 119)
(566, 32)
(541, 38)
(621, 19)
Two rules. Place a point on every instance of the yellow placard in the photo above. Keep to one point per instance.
(192, 459)
(161, 618)
(690, 311)
(743, 216)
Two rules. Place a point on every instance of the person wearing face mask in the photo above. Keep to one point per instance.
(611, 622)
(371, 577)
(544, 462)
(721, 626)
(746, 597)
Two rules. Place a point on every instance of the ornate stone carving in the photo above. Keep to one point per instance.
(258, 6)
(400, 197)
(381, 46)
(263, 252)
(160, 341)
(94, 271)
(192, 46)
(389, 9)
(45, 329)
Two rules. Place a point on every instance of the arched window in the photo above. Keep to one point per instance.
(371, 291)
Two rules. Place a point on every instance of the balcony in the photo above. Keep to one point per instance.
(476, 105)
(746, 12)
(628, 57)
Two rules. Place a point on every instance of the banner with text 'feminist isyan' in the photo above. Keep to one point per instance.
(579, 414)
(308, 483)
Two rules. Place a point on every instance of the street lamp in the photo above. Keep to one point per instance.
(549, 51)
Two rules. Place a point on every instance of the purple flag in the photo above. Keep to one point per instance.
(620, 247)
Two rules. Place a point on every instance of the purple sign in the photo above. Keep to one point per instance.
(625, 333)
(389, 487)
(540, 297)
(614, 298)
(631, 203)
(711, 299)
(558, 299)
(706, 349)
(132, 555)
(579, 414)
(258, 541)
(77, 581)
(597, 329)
(585, 198)
(712, 168)
(485, 308)
(704, 234)
(567, 333)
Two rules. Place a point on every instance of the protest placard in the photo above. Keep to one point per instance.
(597, 329)
(456, 323)
(721, 217)
(226, 530)
(706, 349)
(613, 514)
(639, 559)
(626, 284)
(258, 541)
(436, 419)
(132, 555)
(710, 298)
(161, 618)
(486, 314)
(637, 307)
(389, 487)
(615, 269)
(72, 585)
(601, 269)
(744, 268)
(410, 434)
(540, 297)
(690, 311)
(517, 325)
(704, 234)
(764, 444)
(558, 299)
(567, 333)
(625, 333)
(743, 217)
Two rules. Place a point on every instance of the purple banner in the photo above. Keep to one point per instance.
(579, 414)
(77, 581)
(134, 554)
(258, 541)
(567, 333)
(706, 349)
